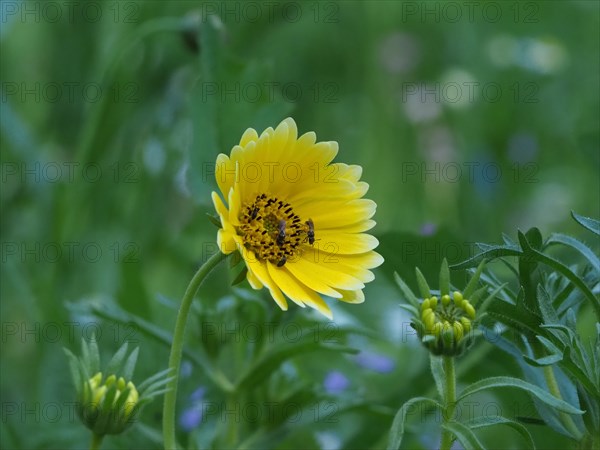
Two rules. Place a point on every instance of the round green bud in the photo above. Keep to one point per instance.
(445, 300)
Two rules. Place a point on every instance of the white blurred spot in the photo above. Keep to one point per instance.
(399, 53)
(458, 88)
(154, 156)
(502, 50)
(328, 440)
(422, 104)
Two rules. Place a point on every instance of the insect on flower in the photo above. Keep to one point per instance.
(271, 219)
(281, 233)
(310, 234)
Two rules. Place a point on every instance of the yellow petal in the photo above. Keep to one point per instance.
(315, 283)
(330, 214)
(226, 242)
(337, 243)
(250, 135)
(259, 269)
(353, 296)
(290, 286)
(315, 264)
(298, 291)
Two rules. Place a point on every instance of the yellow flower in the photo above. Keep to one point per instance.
(297, 218)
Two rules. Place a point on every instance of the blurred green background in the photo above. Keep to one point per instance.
(469, 119)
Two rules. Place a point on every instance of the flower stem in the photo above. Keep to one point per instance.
(449, 400)
(177, 348)
(566, 420)
(96, 441)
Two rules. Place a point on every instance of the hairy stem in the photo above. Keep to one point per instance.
(449, 400)
(177, 349)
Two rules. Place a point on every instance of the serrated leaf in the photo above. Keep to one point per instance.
(558, 238)
(587, 222)
(464, 435)
(544, 360)
(397, 430)
(487, 421)
(492, 252)
(444, 278)
(545, 306)
(422, 282)
(408, 293)
(520, 319)
(496, 382)
(568, 273)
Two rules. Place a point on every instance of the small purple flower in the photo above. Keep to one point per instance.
(190, 418)
(428, 229)
(336, 382)
(376, 362)
(198, 394)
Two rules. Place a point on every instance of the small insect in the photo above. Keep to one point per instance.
(282, 261)
(254, 213)
(311, 231)
(281, 233)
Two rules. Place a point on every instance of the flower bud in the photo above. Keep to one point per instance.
(102, 407)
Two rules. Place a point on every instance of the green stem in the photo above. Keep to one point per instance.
(96, 441)
(177, 348)
(232, 425)
(449, 400)
(566, 419)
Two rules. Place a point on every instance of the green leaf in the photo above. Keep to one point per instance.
(115, 363)
(397, 430)
(545, 306)
(568, 273)
(495, 382)
(444, 278)
(85, 354)
(240, 276)
(544, 360)
(156, 378)
(472, 284)
(75, 371)
(268, 363)
(437, 370)
(520, 319)
(491, 252)
(487, 421)
(484, 305)
(129, 366)
(587, 252)
(464, 435)
(408, 293)
(94, 355)
(534, 237)
(215, 220)
(422, 282)
(587, 222)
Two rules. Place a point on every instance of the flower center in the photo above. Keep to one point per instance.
(271, 229)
